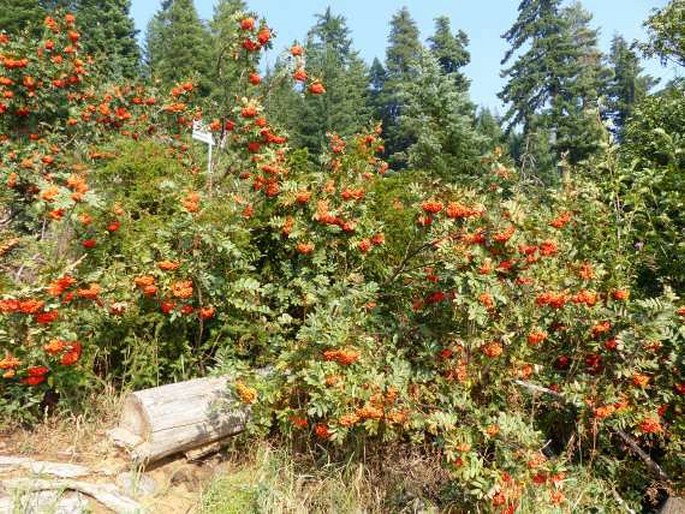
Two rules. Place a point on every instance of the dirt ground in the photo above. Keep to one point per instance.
(176, 484)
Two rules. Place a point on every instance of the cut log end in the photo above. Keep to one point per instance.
(134, 418)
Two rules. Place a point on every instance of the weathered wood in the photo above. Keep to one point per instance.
(107, 494)
(41, 502)
(39, 467)
(673, 505)
(632, 444)
(174, 418)
(202, 451)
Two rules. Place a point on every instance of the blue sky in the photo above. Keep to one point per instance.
(483, 20)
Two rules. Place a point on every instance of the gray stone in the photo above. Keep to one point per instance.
(136, 484)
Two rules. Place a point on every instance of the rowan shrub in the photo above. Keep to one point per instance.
(472, 317)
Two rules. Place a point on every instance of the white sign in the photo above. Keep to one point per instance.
(201, 133)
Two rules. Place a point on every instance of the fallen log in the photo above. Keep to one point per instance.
(673, 505)
(174, 418)
(54, 502)
(107, 494)
(39, 467)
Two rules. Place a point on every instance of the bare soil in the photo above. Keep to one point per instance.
(179, 484)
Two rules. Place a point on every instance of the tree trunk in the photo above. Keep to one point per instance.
(173, 418)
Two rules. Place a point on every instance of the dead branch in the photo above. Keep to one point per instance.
(627, 439)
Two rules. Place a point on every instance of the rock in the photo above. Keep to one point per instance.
(192, 476)
(137, 484)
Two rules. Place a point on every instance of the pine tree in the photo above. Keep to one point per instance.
(575, 115)
(177, 45)
(404, 48)
(343, 109)
(450, 50)
(627, 85)
(109, 31)
(19, 15)
(438, 118)
(554, 83)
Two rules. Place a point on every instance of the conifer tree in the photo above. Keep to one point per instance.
(488, 126)
(535, 77)
(178, 45)
(377, 79)
(554, 83)
(223, 18)
(18, 15)
(627, 85)
(403, 44)
(109, 31)
(343, 109)
(223, 68)
(575, 114)
(283, 102)
(438, 118)
(450, 50)
(404, 48)
(538, 44)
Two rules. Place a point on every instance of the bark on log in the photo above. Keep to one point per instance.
(174, 418)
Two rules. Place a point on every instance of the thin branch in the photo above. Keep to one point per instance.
(540, 389)
(23, 265)
(407, 257)
(627, 439)
(75, 263)
(653, 466)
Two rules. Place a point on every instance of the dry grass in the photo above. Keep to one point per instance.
(65, 434)
(83, 439)
(271, 478)
(268, 476)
